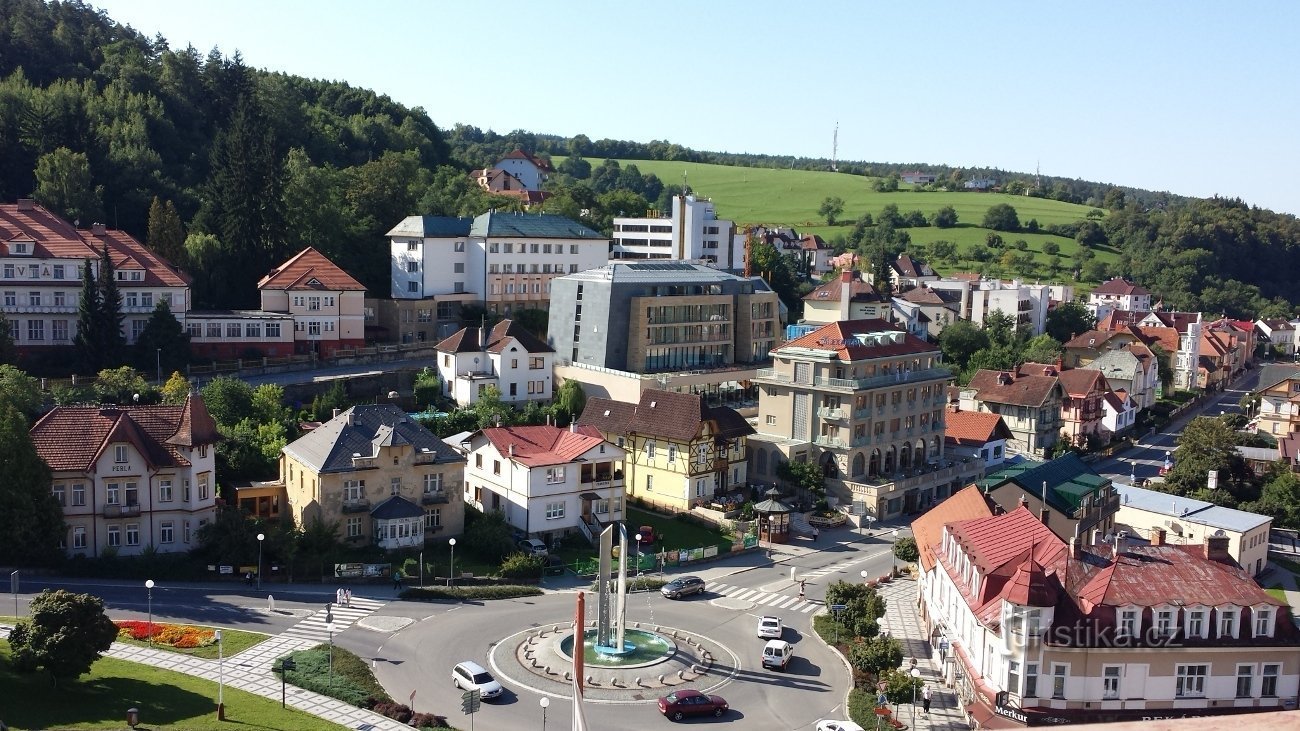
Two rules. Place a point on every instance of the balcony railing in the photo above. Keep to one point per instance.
(834, 442)
(360, 505)
(434, 498)
(862, 413)
(121, 511)
(857, 384)
(830, 413)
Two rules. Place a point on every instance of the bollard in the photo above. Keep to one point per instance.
(591, 680)
(567, 675)
(661, 679)
(681, 675)
(637, 681)
(792, 573)
(270, 603)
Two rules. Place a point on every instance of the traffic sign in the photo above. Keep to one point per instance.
(839, 607)
(469, 701)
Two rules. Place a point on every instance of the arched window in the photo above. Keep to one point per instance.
(859, 464)
(918, 454)
(934, 448)
(874, 468)
(905, 457)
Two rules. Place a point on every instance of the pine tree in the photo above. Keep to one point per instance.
(31, 520)
(88, 319)
(109, 337)
(166, 236)
(163, 344)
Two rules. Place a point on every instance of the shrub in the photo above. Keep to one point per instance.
(862, 708)
(905, 549)
(522, 566)
(462, 593)
(352, 680)
(399, 712)
(876, 654)
(428, 720)
(640, 583)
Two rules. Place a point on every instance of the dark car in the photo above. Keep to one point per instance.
(682, 586)
(647, 533)
(682, 703)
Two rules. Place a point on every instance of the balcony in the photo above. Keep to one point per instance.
(832, 442)
(830, 413)
(360, 505)
(121, 511)
(889, 379)
(431, 498)
(862, 413)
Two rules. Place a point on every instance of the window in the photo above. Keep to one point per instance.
(132, 494)
(478, 461)
(573, 248)
(78, 494)
(353, 490)
(185, 530)
(35, 329)
(1263, 622)
(137, 329)
(354, 527)
(114, 535)
(185, 492)
(1059, 673)
(555, 474)
(203, 487)
(1195, 622)
(1228, 623)
(272, 329)
(78, 537)
(672, 453)
(34, 299)
(167, 532)
(1190, 681)
(11, 299)
(432, 483)
(412, 286)
(114, 494)
(649, 483)
(313, 304)
(60, 299)
(458, 267)
(412, 267)
(1110, 675)
(253, 330)
(1245, 674)
(313, 328)
(59, 331)
(164, 491)
(1165, 622)
(432, 518)
(573, 268)
(496, 466)
(1268, 681)
(146, 299)
(234, 330)
(58, 271)
(649, 450)
(554, 511)
(412, 246)
(1031, 680)
(1013, 676)
(395, 486)
(9, 271)
(214, 330)
(59, 495)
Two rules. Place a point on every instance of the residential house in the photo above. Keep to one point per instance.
(846, 297)
(1119, 413)
(815, 255)
(1065, 493)
(939, 306)
(681, 451)
(1030, 404)
(1043, 632)
(1132, 369)
(1081, 404)
(1027, 304)
(907, 271)
(309, 305)
(528, 169)
(41, 260)
(977, 434)
(131, 479)
(1180, 520)
(379, 475)
(507, 357)
(1282, 336)
(692, 232)
(1288, 450)
(1214, 371)
(865, 402)
(1086, 347)
(910, 317)
(980, 184)
(965, 504)
(1177, 333)
(1239, 336)
(501, 182)
(546, 481)
(1118, 294)
(916, 177)
(1279, 405)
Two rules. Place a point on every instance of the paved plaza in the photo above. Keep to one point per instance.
(903, 622)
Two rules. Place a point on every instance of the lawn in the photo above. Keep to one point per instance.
(167, 701)
(673, 534)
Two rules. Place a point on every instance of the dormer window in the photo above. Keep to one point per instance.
(19, 248)
(1196, 623)
(1264, 621)
(1165, 622)
(1128, 623)
(1228, 623)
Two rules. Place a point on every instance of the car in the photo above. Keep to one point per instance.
(838, 726)
(777, 654)
(769, 628)
(647, 533)
(469, 675)
(533, 547)
(679, 704)
(682, 586)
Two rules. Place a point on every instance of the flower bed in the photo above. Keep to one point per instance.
(827, 519)
(183, 636)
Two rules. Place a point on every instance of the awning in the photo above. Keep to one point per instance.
(986, 718)
(590, 496)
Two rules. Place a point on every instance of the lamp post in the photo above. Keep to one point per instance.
(916, 675)
(892, 546)
(451, 572)
(329, 627)
(148, 585)
(1132, 473)
(863, 574)
(544, 703)
(869, 520)
(158, 364)
(221, 677)
(638, 554)
(260, 537)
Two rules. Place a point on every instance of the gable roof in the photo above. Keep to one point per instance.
(466, 340)
(907, 266)
(1083, 381)
(995, 540)
(1180, 575)
(541, 164)
(923, 295)
(833, 291)
(965, 504)
(310, 270)
(1120, 286)
(72, 438)
(667, 414)
(1004, 387)
(974, 428)
(1069, 480)
(812, 242)
(432, 227)
(530, 225)
(1120, 363)
(843, 338)
(1274, 373)
(607, 415)
(544, 445)
(359, 431)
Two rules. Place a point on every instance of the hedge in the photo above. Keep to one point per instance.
(351, 681)
(463, 593)
(640, 584)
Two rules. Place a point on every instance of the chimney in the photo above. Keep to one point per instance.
(846, 293)
(1044, 514)
(1076, 549)
(351, 421)
(336, 414)
(26, 204)
(97, 229)
(512, 450)
(1157, 536)
(1024, 500)
(1216, 549)
(573, 427)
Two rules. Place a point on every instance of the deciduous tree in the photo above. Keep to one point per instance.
(65, 186)
(31, 520)
(945, 217)
(831, 208)
(1067, 320)
(20, 391)
(65, 634)
(1001, 217)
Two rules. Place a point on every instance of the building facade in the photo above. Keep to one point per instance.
(379, 475)
(507, 357)
(846, 297)
(656, 317)
(1160, 517)
(1279, 400)
(1178, 333)
(528, 169)
(1065, 494)
(976, 434)
(691, 232)
(681, 452)
(1118, 294)
(131, 479)
(1029, 404)
(1132, 369)
(1027, 304)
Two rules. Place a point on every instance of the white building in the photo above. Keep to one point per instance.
(527, 169)
(508, 357)
(1118, 412)
(505, 260)
(131, 478)
(1187, 521)
(692, 232)
(545, 480)
(1117, 294)
(1027, 304)
(1281, 334)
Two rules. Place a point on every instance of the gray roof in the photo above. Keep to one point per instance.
(396, 507)
(1119, 363)
(1259, 454)
(330, 447)
(662, 271)
(1275, 373)
(1197, 511)
(432, 227)
(531, 225)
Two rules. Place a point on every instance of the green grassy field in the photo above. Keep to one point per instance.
(673, 534)
(168, 701)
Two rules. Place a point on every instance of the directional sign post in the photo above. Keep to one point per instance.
(469, 702)
(835, 612)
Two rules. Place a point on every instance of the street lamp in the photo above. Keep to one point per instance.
(158, 364)
(892, 546)
(148, 584)
(260, 537)
(1132, 473)
(544, 703)
(638, 555)
(870, 520)
(329, 627)
(451, 573)
(916, 675)
(221, 677)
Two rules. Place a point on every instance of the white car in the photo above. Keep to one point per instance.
(838, 726)
(769, 628)
(533, 547)
(469, 675)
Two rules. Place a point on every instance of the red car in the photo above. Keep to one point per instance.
(682, 703)
(647, 533)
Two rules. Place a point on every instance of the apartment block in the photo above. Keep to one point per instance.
(691, 232)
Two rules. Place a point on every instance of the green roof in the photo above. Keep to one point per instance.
(434, 227)
(532, 225)
(1069, 481)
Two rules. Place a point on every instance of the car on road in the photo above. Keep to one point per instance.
(679, 704)
(838, 726)
(469, 675)
(777, 654)
(682, 586)
(769, 628)
(533, 547)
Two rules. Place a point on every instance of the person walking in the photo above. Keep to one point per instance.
(347, 598)
(925, 699)
(802, 583)
(816, 533)
(397, 581)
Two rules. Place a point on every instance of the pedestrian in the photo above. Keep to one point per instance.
(925, 699)
(248, 578)
(802, 583)
(347, 598)
(397, 581)
(815, 534)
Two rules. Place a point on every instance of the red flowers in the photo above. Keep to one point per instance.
(173, 635)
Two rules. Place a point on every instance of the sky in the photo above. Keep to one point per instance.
(1196, 98)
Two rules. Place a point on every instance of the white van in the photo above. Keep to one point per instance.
(777, 654)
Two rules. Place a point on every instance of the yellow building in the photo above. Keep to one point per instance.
(377, 473)
(681, 452)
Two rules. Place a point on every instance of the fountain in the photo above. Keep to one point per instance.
(641, 648)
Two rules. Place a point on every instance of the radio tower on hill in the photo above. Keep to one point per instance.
(835, 148)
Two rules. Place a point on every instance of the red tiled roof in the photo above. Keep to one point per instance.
(466, 340)
(993, 541)
(812, 242)
(1120, 286)
(310, 270)
(54, 238)
(1017, 390)
(540, 446)
(72, 438)
(539, 162)
(841, 337)
(668, 414)
(832, 291)
(1165, 337)
(1148, 576)
(965, 504)
(907, 266)
(1091, 339)
(974, 428)
(1080, 382)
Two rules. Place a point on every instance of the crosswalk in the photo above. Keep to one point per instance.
(315, 629)
(763, 598)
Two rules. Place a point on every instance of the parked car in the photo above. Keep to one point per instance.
(679, 704)
(777, 654)
(769, 628)
(838, 726)
(647, 533)
(469, 675)
(682, 586)
(533, 547)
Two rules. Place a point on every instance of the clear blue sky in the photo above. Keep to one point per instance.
(1197, 98)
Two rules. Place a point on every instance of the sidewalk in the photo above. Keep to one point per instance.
(902, 621)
